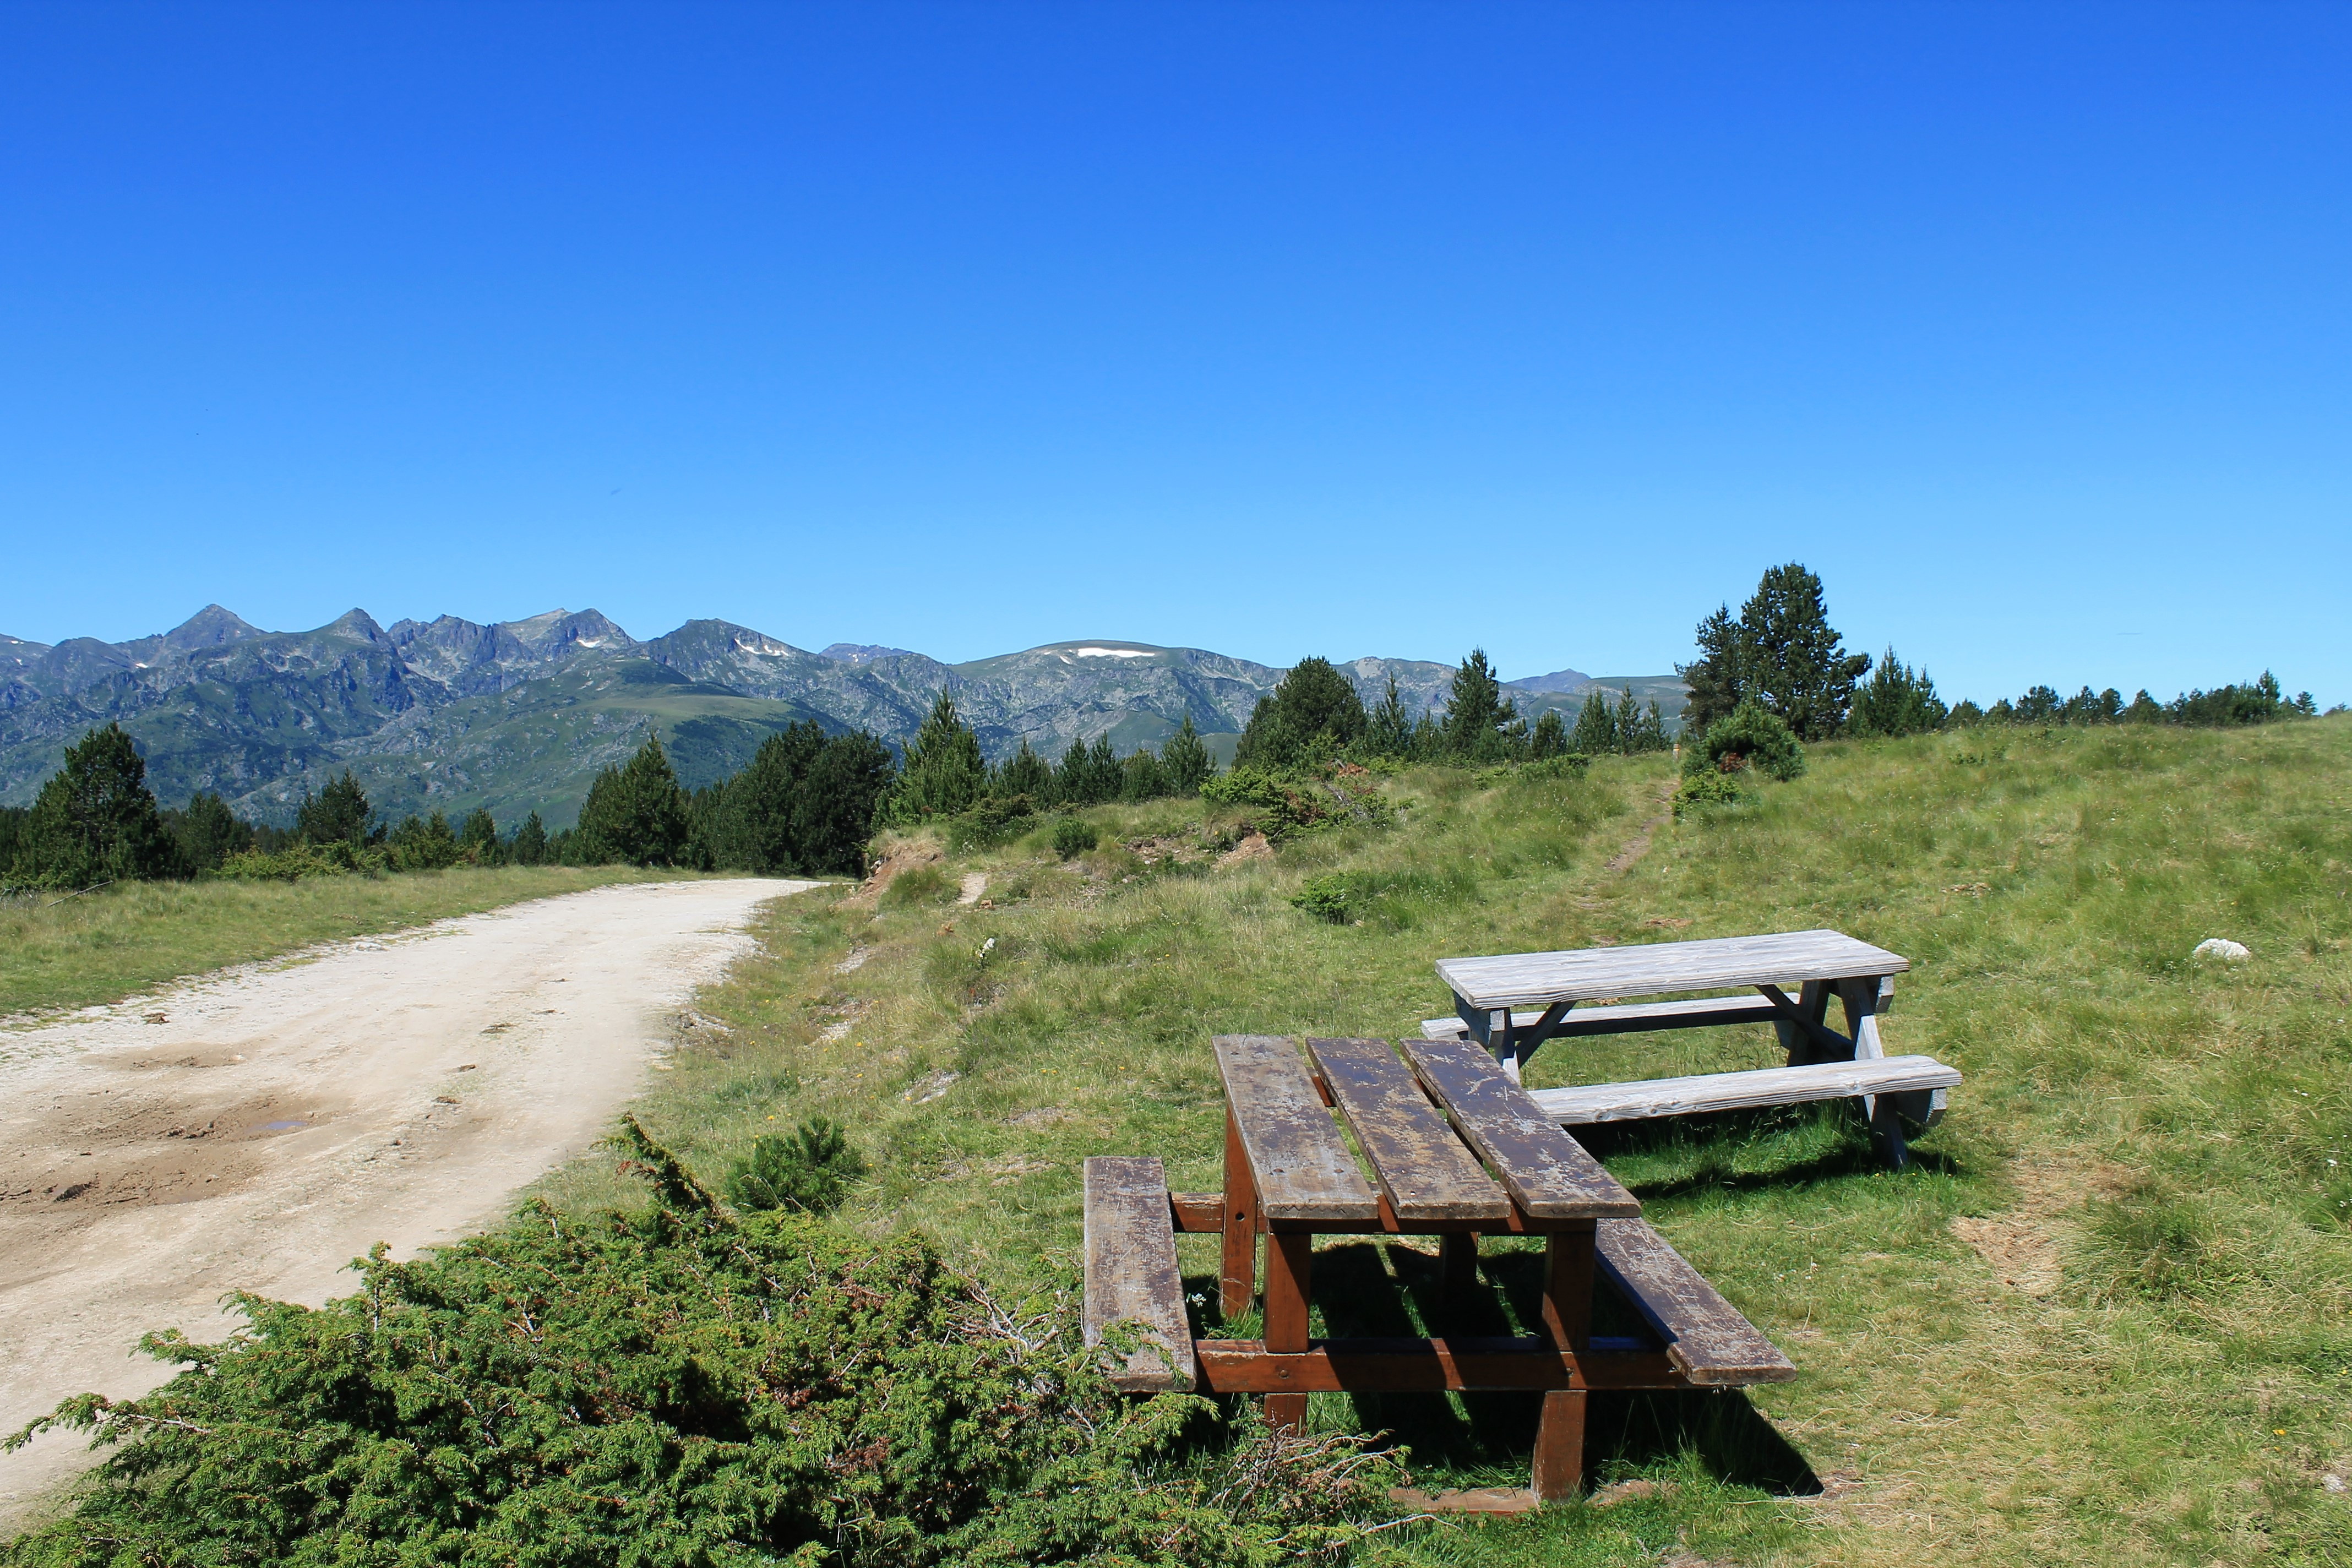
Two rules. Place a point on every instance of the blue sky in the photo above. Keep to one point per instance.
(1271, 329)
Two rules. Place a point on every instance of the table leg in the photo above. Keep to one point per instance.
(1860, 999)
(1814, 1002)
(1567, 1322)
(1289, 1259)
(1458, 1274)
(1237, 1277)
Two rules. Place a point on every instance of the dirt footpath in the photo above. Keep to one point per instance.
(257, 1130)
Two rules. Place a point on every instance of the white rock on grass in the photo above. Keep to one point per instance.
(2222, 948)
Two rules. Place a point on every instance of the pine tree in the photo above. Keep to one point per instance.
(836, 810)
(1718, 678)
(1626, 725)
(338, 815)
(1796, 663)
(1898, 701)
(1104, 775)
(1388, 732)
(1314, 712)
(529, 846)
(1141, 778)
(206, 832)
(1596, 727)
(753, 828)
(1476, 711)
(478, 837)
(1027, 773)
(1071, 779)
(1550, 737)
(635, 811)
(1185, 759)
(1654, 729)
(95, 820)
(425, 844)
(943, 772)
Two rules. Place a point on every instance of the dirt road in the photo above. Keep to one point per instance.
(259, 1129)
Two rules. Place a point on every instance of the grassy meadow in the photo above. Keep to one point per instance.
(59, 951)
(2104, 1316)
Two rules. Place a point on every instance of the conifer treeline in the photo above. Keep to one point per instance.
(1781, 654)
(1315, 715)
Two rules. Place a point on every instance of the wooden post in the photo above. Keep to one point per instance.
(1457, 1274)
(1237, 1281)
(1859, 1000)
(1289, 1260)
(1559, 1469)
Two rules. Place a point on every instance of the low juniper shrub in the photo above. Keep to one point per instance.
(1074, 836)
(811, 1168)
(1325, 898)
(684, 1387)
(1750, 736)
(1713, 788)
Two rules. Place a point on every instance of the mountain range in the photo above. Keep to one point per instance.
(516, 716)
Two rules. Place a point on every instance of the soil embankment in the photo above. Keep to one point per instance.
(258, 1129)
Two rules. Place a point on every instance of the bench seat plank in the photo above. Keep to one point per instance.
(1421, 1163)
(1131, 1273)
(1547, 1171)
(1539, 979)
(1587, 1103)
(1304, 1171)
(1705, 1337)
(1706, 1011)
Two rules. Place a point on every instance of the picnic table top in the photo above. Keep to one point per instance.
(1585, 974)
(1433, 1166)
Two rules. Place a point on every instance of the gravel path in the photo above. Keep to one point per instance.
(261, 1128)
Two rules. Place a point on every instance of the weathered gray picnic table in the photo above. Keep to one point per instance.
(1456, 1150)
(1513, 1003)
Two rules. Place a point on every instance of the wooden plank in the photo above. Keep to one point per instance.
(1407, 1365)
(1132, 1271)
(1704, 1013)
(1418, 1160)
(1237, 1253)
(1197, 1211)
(1546, 1172)
(1303, 1171)
(1539, 979)
(1706, 1337)
(1645, 1100)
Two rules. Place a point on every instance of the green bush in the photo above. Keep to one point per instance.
(1283, 806)
(919, 885)
(991, 821)
(1074, 836)
(1707, 789)
(1325, 898)
(681, 1388)
(812, 1168)
(1749, 736)
(338, 857)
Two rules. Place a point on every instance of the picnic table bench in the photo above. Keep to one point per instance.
(1512, 1003)
(1456, 1150)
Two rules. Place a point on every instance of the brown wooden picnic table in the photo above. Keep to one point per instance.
(1457, 1151)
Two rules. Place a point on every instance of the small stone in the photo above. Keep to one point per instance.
(2222, 948)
